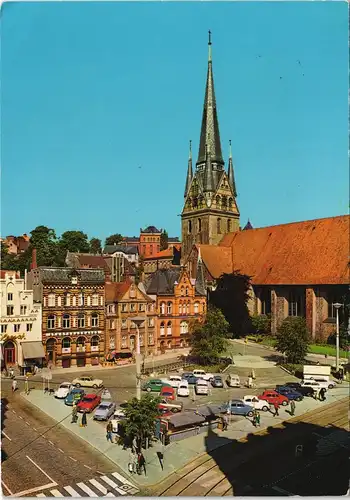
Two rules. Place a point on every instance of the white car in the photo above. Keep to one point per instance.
(183, 389)
(174, 380)
(202, 387)
(317, 385)
(63, 390)
(88, 382)
(203, 375)
(255, 402)
(118, 416)
(233, 380)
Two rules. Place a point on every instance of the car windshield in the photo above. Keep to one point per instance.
(167, 393)
(76, 391)
(104, 407)
(88, 400)
(64, 385)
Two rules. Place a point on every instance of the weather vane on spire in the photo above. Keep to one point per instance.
(209, 33)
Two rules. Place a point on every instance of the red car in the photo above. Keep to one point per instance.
(272, 397)
(89, 403)
(168, 392)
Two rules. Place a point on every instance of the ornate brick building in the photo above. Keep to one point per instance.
(164, 259)
(73, 302)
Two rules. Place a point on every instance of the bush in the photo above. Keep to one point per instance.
(261, 323)
(343, 337)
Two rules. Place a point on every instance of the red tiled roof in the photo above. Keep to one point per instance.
(300, 253)
(92, 261)
(4, 271)
(168, 253)
(115, 291)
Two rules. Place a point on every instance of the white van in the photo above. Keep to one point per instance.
(233, 380)
(317, 384)
(183, 389)
(202, 387)
(202, 374)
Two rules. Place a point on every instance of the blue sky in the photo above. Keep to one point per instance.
(92, 91)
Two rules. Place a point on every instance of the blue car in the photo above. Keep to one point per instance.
(238, 407)
(74, 396)
(290, 393)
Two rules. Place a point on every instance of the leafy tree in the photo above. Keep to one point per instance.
(208, 339)
(140, 419)
(8, 260)
(72, 241)
(44, 240)
(114, 239)
(95, 246)
(261, 323)
(231, 296)
(164, 240)
(292, 339)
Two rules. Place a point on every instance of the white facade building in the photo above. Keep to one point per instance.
(21, 323)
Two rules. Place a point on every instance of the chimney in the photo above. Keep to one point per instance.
(33, 264)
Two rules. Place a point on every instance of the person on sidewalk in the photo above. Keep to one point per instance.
(109, 430)
(131, 464)
(292, 408)
(225, 422)
(14, 385)
(250, 382)
(74, 414)
(322, 394)
(26, 385)
(257, 419)
(316, 394)
(276, 407)
(84, 419)
(141, 462)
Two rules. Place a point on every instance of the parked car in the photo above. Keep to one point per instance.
(233, 380)
(202, 387)
(305, 391)
(316, 385)
(87, 382)
(154, 385)
(186, 375)
(238, 407)
(174, 380)
(217, 381)
(291, 393)
(174, 406)
(274, 397)
(74, 396)
(255, 402)
(183, 390)
(202, 374)
(118, 416)
(192, 380)
(89, 403)
(168, 392)
(104, 411)
(63, 390)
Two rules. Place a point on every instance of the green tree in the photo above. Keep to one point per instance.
(231, 296)
(72, 241)
(95, 246)
(208, 339)
(8, 260)
(44, 240)
(292, 339)
(261, 323)
(164, 240)
(114, 239)
(140, 418)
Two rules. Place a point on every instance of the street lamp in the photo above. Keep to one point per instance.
(337, 307)
(138, 320)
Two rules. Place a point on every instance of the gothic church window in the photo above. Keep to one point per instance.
(218, 225)
(189, 227)
(218, 200)
(199, 225)
(228, 225)
(230, 203)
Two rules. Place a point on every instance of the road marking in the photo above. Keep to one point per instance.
(58, 448)
(27, 423)
(110, 494)
(112, 483)
(36, 465)
(71, 491)
(98, 486)
(6, 436)
(33, 490)
(41, 495)
(34, 429)
(13, 411)
(87, 490)
(87, 467)
(122, 479)
(51, 443)
(98, 472)
(8, 489)
(19, 416)
(56, 493)
(281, 490)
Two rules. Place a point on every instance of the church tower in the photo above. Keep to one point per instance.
(210, 209)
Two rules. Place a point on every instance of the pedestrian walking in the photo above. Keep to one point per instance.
(14, 385)
(250, 382)
(109, 430)
(276, 407)
(254, 419)
(257, 419)
(225, 422)
(322, 394)
(84, 420)
(11, 373)
(26, 385)
(131, 464)
(74, 414)
(316, 393)
(141, 463)
(292, 408)
(253, 374)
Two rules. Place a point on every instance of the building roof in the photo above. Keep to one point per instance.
(127, 249)
(116, 291)
(64, 275)
(162, 282)
(310, 252)
(131, 239)
(10, 271)
(168, 253)
(248, 226)
(150, 229)
(83, 260)
(173, 239)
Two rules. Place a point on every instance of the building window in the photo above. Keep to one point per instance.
(124, 308)
(169, 308)
(95, 341)
(3, 328)
(265, 298)
(94, 320)
(196, 308)
(332, 312)
(80, 299)
(45, 301)
(81, 320)
(101, 300)
(59, 303)
(168, 328)
(29, 327)
(183, 327)
(188, 308)
(150, 307)
(67, 299)
(186, 291)
(124, 323)
(180, 308)
(95, 299)
(218, 225)
(74, 301)
(16, 328)
(199, 225)
(182, 290)
(162, 328)
(124, 341)
(169, 344)
(132, 307)
(150, 339)
(66, 321)
(80, 342)
(9, 310)
(141, 339)
(294, 305)
(150, 322)
(66, 343)
(230, 203)
(141, 307)
(228, 225)
(51, 300)
(189, 227)
(132, 342)
(162, 308)
(10, 297)
(24, 310)
(51, 320)
(88, 300)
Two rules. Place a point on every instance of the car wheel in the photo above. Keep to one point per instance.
(77, 385)
(331, 386)
(284, 403)
(95, 386)
(265, 408)
(148, 389)
(299, 399)
(250, 414)
(175, 410)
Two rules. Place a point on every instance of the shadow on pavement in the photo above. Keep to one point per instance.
(4, 403)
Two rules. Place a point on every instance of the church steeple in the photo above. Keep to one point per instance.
(210, 126)
(208, 184)
(231, 175)
(189, 171)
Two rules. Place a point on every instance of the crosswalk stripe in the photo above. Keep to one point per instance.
(110, 495)
(71, 491)
(41, 495)
(122, 479)
(98, 486)
(113, 484)
(87, 490)
(56, 493)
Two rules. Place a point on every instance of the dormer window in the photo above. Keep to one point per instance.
(74, 280)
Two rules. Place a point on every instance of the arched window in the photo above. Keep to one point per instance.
(180, 308)
(169, 308)
(188, 308)
(228, 225)
(95, 341)
(94, 319)
(51, 320)
(66, 321)
(218, 201)
(95, 299)
(182, 290)
(230, 203)
(51, 300)
(88, 300)
(218, 225)
(186, 290)
(67, 299)
(80, 344)
(224, 202)
(199, 225)
(162, 308)
(65, 343)
(162, 328)
(132, 342)
(183, 327)
(74, 301)
(81, 320)
(189, 227)
(169, 344)
(80, 299)
(168, 328)
(196, 307)
(59, 301)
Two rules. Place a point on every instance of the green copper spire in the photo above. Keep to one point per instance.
(189, 171)
(231, 176)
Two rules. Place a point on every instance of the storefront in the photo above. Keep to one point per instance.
(33, 355)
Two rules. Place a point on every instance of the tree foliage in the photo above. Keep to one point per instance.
(114, 239)
(261, 323)
(95, 246)
(231, 296)
(292, 339)
(208, 339)
(140, 418)
(164, 240)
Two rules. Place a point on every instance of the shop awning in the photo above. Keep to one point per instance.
(33, 350)
(182, 419)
